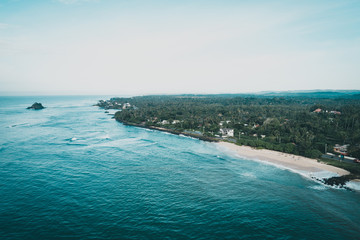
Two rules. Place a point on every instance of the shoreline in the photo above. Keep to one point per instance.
(306, 167)
(289, 161)
(200, 137)
(292, 162)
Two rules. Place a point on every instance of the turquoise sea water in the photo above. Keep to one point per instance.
(71, 172)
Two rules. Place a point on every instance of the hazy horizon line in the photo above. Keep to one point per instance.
(30, 93)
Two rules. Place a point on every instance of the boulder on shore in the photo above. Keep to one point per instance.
(36, 106)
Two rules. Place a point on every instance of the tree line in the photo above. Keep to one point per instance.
(287, 124)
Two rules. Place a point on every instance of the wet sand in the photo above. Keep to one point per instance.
(290, 161)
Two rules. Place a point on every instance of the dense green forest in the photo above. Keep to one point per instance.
(283, 123)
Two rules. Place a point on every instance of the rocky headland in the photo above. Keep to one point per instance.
(36, 106)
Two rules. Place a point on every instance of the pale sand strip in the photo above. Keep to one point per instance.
(283, 159)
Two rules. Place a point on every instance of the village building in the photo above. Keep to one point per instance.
(341, 149)
(335, 112)
(126, 105)
(222, 122)
(227, 132)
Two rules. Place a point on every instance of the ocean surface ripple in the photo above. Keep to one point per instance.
(70, 171)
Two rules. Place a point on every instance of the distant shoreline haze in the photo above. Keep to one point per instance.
(329, 92)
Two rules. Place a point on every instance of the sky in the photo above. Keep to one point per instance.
(134, 47)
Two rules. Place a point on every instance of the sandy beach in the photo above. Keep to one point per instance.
(290, 161)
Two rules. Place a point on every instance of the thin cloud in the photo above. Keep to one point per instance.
(4, 25)
(75, 1)
(132, 48)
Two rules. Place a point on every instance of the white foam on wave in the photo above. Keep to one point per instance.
(112, 111)
(166, 133)
(354, 185)
(146, 144)
(323, 174)
(18, 125)
(120, 143)
(73, 139)
(313, 176)
(182, 135)
(316, 177)
(321, 187)
(105, 137)
(249, 175)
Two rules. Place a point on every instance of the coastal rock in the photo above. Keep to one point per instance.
(338, 181)
(36, 106)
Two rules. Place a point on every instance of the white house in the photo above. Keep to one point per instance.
(126, 105)
(222, 122)
(227, 132)
(342, 149)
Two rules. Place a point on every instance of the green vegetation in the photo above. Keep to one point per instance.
(353, 168)
(286, 123)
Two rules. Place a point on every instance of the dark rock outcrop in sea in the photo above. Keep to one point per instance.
(36, 106)
(338, 181)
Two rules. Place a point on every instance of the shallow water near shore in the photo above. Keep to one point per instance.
(70, 171)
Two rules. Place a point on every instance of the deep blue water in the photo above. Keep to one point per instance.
(70, 171)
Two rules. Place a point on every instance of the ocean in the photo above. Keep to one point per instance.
(70, 171)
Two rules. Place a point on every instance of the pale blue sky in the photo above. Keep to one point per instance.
(147, 47)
